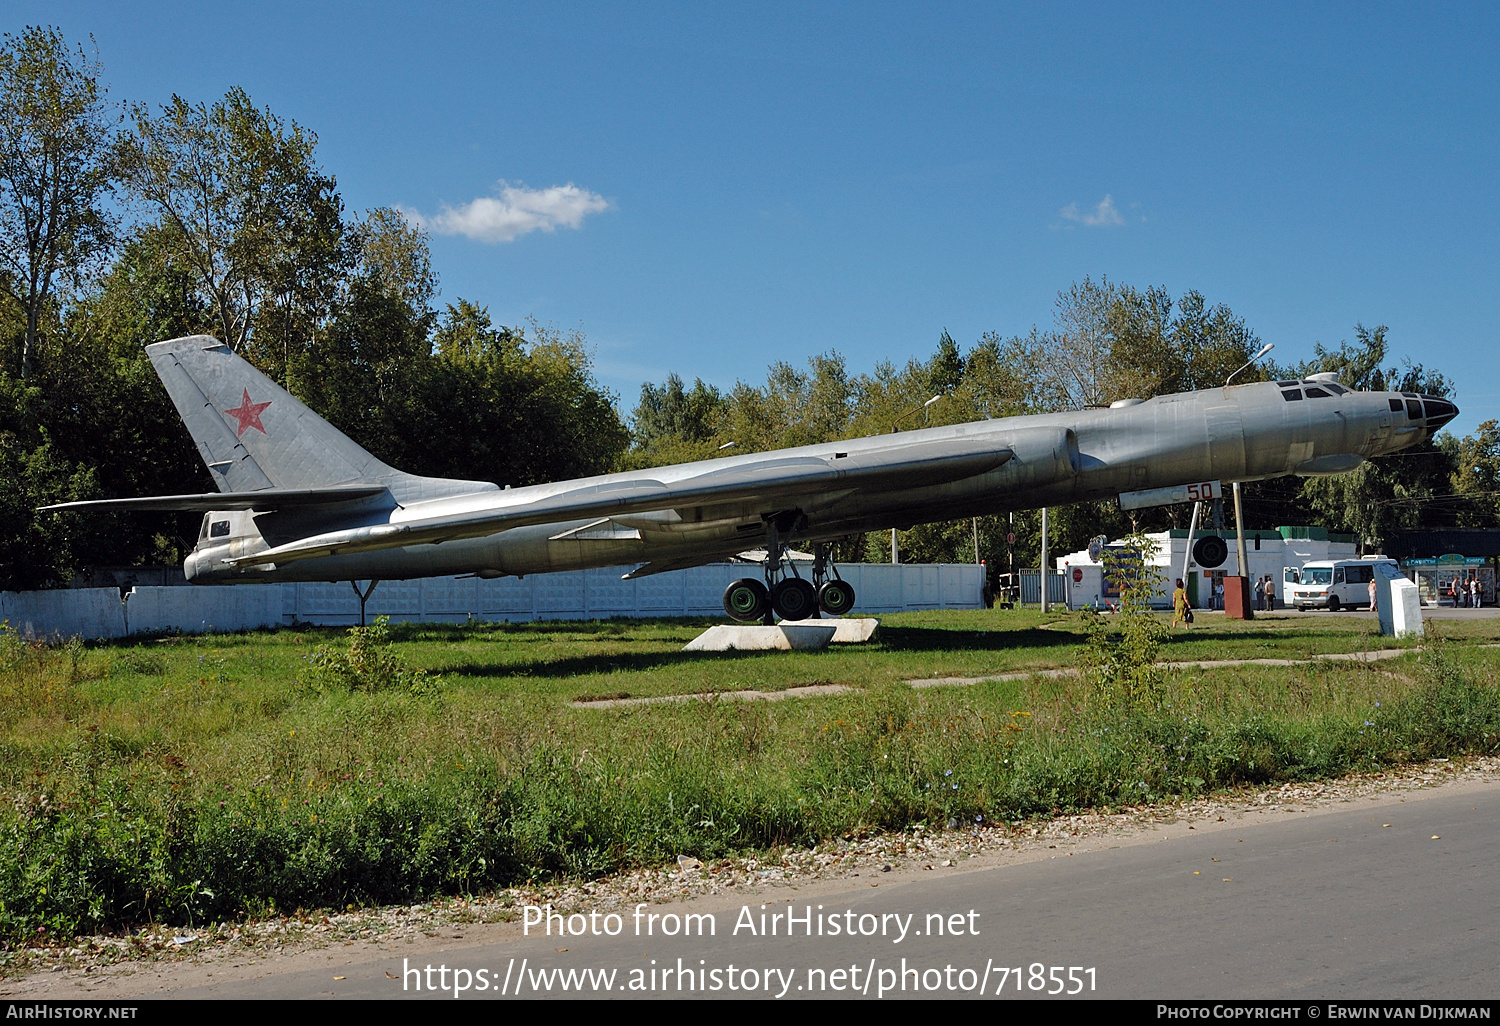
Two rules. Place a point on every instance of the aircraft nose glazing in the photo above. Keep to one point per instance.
(1438, 411)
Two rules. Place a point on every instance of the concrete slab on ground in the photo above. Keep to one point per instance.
(848, 631)
(805, 636)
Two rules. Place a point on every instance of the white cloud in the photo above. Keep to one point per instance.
(1105, 215)
(516, 211)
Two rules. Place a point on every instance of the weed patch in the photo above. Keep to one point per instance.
(368, 664)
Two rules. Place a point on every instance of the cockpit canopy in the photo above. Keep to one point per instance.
(1295, 391)
(1433, 410)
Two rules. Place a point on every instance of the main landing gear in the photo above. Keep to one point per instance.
(787, 595)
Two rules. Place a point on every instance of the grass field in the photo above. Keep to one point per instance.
(201, 777)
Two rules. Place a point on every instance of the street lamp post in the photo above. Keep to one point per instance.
(896, 552)
(1239, 514)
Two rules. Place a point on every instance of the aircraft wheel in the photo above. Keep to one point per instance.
(794, 599)
(1333, 603)
(1210, 551)
(836, 598)
(746, 599)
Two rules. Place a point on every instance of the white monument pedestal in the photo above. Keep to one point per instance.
(1398, 603)
(849, 631)
(787, 636)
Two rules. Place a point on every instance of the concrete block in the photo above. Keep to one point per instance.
(803, 636)
(1398, 603)
(847, 631)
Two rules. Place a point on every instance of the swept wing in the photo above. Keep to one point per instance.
(772, 481)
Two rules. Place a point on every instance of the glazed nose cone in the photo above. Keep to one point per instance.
(1438, 411)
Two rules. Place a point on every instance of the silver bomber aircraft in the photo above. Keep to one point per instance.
(300, 501)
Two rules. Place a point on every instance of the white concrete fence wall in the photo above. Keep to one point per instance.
(66, 612)
(574, 595)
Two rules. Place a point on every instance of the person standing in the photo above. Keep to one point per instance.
(1218, 592)
(1476, 596)
(1260, 594)
(1180, 605)
(1270, 594)
(1374, 606)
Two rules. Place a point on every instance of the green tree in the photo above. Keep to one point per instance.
(675, 424)
(1075, 370)
(992, 386)
(1112, 342)
(41, 551)
(466, 335)
(1358, 366)
(243, 204)
(56, 134)
(946, 368)
(1213, 343)
(364, 368)
(517, 405)
(1475, 477)
(94, 422)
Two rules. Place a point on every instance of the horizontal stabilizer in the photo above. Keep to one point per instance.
(266, 499)
(772, 479)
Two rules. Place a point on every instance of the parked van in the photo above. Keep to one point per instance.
(1331, 584)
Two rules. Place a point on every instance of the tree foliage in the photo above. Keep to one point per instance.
(1475, 477)
(236, 231)
(240, 202)
(517, 405)
(55, 136)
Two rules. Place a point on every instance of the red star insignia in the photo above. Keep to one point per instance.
(248, 414)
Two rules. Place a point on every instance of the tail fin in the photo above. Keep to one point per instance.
(254, 435)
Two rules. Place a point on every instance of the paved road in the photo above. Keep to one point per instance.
(1334, 904)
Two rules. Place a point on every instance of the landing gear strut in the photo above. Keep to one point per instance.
(835, 595)
(364, 596)
(788, 595)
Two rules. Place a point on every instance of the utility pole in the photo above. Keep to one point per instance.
(1046, 606)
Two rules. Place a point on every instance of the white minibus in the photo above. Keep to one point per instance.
(1332, 584)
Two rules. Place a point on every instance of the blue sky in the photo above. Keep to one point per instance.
(757, 182)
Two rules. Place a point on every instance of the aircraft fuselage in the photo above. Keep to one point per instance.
(1240, 433)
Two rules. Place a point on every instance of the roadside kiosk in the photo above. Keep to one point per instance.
(1435, 577)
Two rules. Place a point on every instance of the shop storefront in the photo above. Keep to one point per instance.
(1445, 580)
